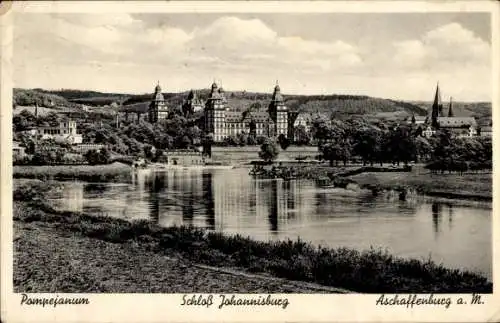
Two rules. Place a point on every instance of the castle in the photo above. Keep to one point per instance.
(221, 121)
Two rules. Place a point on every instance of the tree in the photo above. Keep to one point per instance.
(301, 135)
(242, 139)
(261, 140)
(148, 151)
(207, 144)
(23, 121)
(95, 157)
(283, 141)
(158, 154)
(251, 141)
(367, 143)
(269, 151)
(231, 140)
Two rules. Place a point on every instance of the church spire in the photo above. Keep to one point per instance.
(450, 111)
(437, 107)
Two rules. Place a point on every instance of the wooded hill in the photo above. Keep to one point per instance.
(338, 105)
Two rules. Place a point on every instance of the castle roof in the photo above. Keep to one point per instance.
(277, 94)
(456, 122)
(157, 96)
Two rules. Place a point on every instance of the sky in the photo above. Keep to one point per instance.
(388, 55)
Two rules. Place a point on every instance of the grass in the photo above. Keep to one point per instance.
(427, 183)
(100, 173)
(371, 271)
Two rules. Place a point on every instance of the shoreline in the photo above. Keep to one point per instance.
(427, 185)
(369, 271)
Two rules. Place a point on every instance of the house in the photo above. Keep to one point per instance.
(486, 132)
(84, 148)
(182, 157)
(66, 132)
(18, 151)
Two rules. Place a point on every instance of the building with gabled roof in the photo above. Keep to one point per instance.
(436, 120)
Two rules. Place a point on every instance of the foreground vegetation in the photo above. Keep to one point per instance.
(372, 271)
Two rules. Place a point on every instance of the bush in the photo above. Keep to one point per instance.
(269, 151)
(100, 157)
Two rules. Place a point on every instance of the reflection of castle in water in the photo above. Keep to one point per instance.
(437, 216)
(219, 202)
(201, 198)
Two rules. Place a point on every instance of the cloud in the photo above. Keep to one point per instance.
(123, 53)
(444, 47)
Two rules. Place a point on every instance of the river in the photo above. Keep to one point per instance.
(231, 201)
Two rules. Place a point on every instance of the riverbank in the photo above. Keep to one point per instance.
(94, 265)
(474, 187)
(453, 186)
(114, 172)
(368, 271)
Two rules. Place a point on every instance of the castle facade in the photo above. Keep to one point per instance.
(221, 121)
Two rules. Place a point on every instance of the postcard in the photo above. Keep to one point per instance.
(249, 161)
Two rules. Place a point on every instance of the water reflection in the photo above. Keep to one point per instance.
(437, 209)
(231, 201)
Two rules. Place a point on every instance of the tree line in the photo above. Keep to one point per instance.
(355, 139)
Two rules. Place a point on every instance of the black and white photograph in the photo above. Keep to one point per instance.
(215, 153)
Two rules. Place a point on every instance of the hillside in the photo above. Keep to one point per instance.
(22, 97)
(328, 104)
(338, 105)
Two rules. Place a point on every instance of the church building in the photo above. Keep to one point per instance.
(440, 120)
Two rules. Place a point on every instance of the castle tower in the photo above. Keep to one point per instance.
(450, 111)
(278, 112)
(157, 108)
(215, 110)
(437, 108)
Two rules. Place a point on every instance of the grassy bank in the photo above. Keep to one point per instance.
(101, 173)
(371, 271)
(474, 186)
